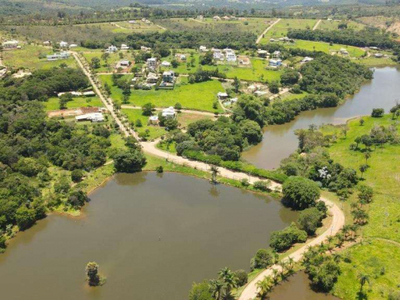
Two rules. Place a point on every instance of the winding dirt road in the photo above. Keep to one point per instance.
(250, 291)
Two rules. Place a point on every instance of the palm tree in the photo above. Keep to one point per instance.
(275, 276)
(228, 278)
(367, 156)
(363, 278)
(283, 265)
(290, 264)
(217, 287)
(214, 173)
(264, 287)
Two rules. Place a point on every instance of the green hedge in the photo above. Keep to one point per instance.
(235, 165)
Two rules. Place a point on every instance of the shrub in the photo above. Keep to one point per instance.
(241, 277)
(377, 112)
(159, 169)
(264, 258)
(262, 185)
(310, 219)
(284, 239)
(300, 193)
(76, 175)
(129, 161)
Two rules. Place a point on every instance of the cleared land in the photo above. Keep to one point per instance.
(125, 27)
(197, 96)
(333, 25)
(325, 47)
(29, 58)
(281, 28)
(136, 114)
(378, 259)
(105, 66)
(54, 104)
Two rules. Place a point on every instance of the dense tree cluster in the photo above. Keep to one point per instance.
(284, 239)
(300, 193)
(364, 38)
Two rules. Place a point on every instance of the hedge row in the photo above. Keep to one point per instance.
(235, 165)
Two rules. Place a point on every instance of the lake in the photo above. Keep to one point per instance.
(152, 236)
(279, 141)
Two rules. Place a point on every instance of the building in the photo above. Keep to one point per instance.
(260, 93)
(132, 22)
(262, 53)
(76, 94)
(275, 62)
(13, 44)
(230, 55)
(124, 47)
(152, 63)
(153, 120)
(343, 51)
(168, 112)
(378, 55)
(145, 49)
(165, 64)
(222, 96)
(203, 49)
(152, 78)
(307, 59)
(123, 64)
(58, 56)
(63, 44)
(112, 49)
(47, 43)
(92, 117)
(217, 54)
(272, 40)
(168, 76)
(217, 18)
(276, 54)
(73, 46)
(89, 94)
(182, 57)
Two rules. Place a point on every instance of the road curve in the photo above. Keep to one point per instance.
(250, 291)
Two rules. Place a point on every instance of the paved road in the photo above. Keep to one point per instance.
(266, 30)
(250, 291)
(186, 111)
(316, 24)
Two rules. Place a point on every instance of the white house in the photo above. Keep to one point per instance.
(378, 55)
(73, 46)
(132, 22)
(168, 76)
(145, 49)
(307, 59)
(63, 44)
(182, 57)
(262, 53)
(166, 64)
(203, 49)
(152, 78)
(343, 51)
(276, 54)
(231, 57)
(217, 18)
(275, 62)
(89, 94)
(168, 112)
(260, 93)
(93, 117)
(124, 47)
(153, 119)
(152, 63)
(58, 56)
(46, 43)
(13, 44)
(222, 96)
(112, 49)
(217, 54)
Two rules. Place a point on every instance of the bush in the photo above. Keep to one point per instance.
(262, 185)
(284, 239)
(76, 175)
(300, 193)
(241, 277)
(77, 198)
(377, 112)
(159, 169)
(310, 219)
(263, 259)
(200, 291)
(129, 161)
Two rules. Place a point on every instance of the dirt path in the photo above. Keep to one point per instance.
(266, 30)
(119, 26)
(316, 24)
(159, 26)
(250, 291)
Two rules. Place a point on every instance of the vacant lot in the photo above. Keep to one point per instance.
(29, 58)
(54, 104)
(326, 47)
(133, 115)
(281, 28)
(125, 27)
(105, 66)
(333, 25)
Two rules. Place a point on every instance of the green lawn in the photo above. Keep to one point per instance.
(198, 96)
(53, 103)
(325, 47)
(384, 212)
(28, 58)
(136, 114)
(281, 28)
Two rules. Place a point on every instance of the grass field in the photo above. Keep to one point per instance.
(124, 27)
(108, 66)
(280, 29)
(333, 25)
(384, 212)
(185, 119)
(28, 58)
(198, 96)
(53, 103)
(136, 114)
(325, 47)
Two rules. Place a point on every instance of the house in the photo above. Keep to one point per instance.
(226, 18)
(230, 55)
(272, 40)
(168, 76)
(343, 51)
(13, 44)
(203, 49)
(152, 78)
(275, 62)
(58, 56)
(124, 47)
(374, 48)
(73, 46)
(260, 93)
(76, 94)
(222, 96)
(145, 49)
(123, 64)
(307, 59)
(217, 18)
(166, 64)
(153, 120)
(168, 112)
(200, 17)
(63, 44)
(217, 54)
(47, 43)
(132, 22)
(92, 117)
(182, 57)
(89, 94)
(20, 74)
(262, 53)
(152, 63)
(112, 49)
(276, 54)
(378, 55)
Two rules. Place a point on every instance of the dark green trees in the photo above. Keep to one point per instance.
(129, 161)
(300, 193)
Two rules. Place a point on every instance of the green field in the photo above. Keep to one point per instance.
(53, 103)
(281, 28)
(136, 114)
(198, 96)
(112, 60)
(28, 58)
(384, 212)
(124, 27)
(325, 47)
(333, 25)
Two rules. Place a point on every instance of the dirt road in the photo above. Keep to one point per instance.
(266, 30)
(316, 25)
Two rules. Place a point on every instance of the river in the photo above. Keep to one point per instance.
(279, 141)
(152, 236)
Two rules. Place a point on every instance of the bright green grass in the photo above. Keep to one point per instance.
(325, 47)
(28, 57)
(136, 114)
(53, 103)
(281, 28)
(380, 260)
(112, 60)
(198, 96)
(333, 25)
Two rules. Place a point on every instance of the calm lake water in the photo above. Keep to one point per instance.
(152, 237)
(279, 141)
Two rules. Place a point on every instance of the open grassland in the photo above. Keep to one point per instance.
(253, 25)
(133, 115)
(376, 258)
(325, 47)
(105, 66)
(185, 119)
(54, 104)
(197, 96)
(377, 62)
(28, 58)
(333, 25)
(124, 27)
(281, 28)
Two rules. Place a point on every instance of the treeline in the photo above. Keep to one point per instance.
(181, 40)
(367, 37)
